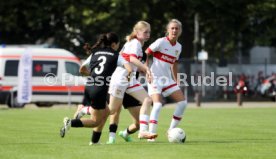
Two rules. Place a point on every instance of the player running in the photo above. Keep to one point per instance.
(119, 85)
(102, 65)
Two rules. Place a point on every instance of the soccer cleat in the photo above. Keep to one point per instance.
(66, 126)
(91, 143)
(167, 133)
(151, 140)
(126, 138)
(111, 140)
(146, 135)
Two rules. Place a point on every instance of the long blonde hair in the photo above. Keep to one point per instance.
(177, 22)
(138, 26)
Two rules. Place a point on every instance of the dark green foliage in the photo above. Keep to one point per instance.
(59, 23)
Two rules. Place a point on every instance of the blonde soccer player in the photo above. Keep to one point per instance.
(119, 85)
(165, 52)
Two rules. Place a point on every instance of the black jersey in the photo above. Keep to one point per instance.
(103, 63)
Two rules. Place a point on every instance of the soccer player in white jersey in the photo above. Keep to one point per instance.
(165, 52)
(119, 85)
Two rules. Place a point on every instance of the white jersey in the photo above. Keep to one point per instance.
(164, 55)
(119, 85)
(132, 48)
(121, 61)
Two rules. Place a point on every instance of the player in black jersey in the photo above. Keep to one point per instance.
(129, 103)
(102, 65)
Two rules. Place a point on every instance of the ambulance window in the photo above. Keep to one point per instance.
(42, 68)
(72, 68)
(11, 68)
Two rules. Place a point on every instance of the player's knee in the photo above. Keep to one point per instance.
(182, 104)
(112, 111)
(148, 100)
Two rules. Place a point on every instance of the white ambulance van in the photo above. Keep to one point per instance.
(55, 76)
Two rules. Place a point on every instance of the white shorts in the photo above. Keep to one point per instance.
(119, 84)
(165, 87)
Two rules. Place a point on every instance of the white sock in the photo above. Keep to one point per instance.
(154, 117)
(85, 110)
(179, 111)
(144, 121)
(112, 135)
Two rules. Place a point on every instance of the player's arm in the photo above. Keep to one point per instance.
(174, 71)
(141, 67)
(174, 68)
(84, 71)
(122, 62)
(138, 63)
(128, 67)
(149, 57)
(84, 67)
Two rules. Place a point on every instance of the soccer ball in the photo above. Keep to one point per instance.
(176, 135)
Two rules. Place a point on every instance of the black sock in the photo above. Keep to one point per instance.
(130, 132)
(113, 128)
(96, 136)
(76, 123)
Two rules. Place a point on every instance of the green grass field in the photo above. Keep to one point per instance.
(228, 133)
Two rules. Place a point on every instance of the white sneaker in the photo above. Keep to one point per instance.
(91, 143)
(151, 140)
(66, 126)
(146, 135)
(126, 138)
(111, 140)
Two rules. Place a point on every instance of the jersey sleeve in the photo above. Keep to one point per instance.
(132, 49)
(121, 61)
(86, 63)
(154, 46)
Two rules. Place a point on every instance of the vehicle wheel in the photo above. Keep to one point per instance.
(44, 104)
(12, 101)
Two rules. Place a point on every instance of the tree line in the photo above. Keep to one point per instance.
(227, 26)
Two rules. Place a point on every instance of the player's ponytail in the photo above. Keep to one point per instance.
(100, 42)
(111, 38)
(104, 40)
(138, 26)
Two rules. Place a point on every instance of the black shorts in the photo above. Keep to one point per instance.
(129, 101)
(95, 96)
(85, 101)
